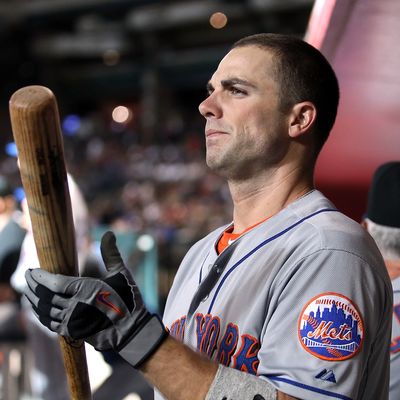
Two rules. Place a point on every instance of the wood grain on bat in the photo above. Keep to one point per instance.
(37, 134)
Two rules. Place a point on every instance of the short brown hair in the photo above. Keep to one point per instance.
(303, 74)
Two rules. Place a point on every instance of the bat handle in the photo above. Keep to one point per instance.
(78, 378)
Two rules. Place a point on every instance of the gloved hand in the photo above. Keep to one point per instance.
(107, 313)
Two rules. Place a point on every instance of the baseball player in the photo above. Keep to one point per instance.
(291, 299)
(382, 221)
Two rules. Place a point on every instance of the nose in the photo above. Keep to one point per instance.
(210, 107)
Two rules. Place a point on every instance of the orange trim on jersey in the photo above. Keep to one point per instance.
(228, 237)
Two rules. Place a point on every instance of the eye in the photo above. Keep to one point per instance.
(236, 91)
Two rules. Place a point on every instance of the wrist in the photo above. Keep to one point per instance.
(138, 348)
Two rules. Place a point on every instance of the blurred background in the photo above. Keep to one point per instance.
(128, 76)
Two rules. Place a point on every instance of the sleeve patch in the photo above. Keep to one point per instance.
(330, 327)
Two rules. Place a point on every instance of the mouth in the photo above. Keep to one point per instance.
(214, 132)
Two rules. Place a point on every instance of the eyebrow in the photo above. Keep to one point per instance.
(226, 83)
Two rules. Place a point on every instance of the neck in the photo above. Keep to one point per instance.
(264, 196)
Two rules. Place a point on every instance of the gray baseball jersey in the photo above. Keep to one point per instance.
(304, 302)
(394, 389)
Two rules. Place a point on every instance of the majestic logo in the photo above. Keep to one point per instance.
(326, 375)
(330, 327)
(101, 297)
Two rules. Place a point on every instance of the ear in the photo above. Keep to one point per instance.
(302, 118)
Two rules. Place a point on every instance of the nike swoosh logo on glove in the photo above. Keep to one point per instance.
(101, 297)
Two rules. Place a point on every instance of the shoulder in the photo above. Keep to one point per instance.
(324, 227)
(313, 231)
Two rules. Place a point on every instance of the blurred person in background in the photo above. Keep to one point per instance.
(12, 234)
(382, 221)
(292, 298)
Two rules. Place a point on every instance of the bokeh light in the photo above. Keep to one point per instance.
(218, 20)
(145, 242)
(19, 193)
(121, 114)
(71, 124)
(11, 149)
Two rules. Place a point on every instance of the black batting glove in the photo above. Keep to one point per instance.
(108, 313)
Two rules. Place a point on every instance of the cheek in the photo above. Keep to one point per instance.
(255, 127)
(247, 122)
(255, 122)
(264, 134)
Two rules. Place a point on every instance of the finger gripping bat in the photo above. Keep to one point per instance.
(36, 128)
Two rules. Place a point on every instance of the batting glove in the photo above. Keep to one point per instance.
(108, 313)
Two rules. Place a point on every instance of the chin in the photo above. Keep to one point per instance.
(218, 167)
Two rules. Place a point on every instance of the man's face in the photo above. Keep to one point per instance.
(245, 129)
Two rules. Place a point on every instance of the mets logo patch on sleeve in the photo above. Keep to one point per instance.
(330, 327)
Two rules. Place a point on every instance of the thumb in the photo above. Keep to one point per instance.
(110, 253)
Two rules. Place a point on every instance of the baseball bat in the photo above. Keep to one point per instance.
(36, 128)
